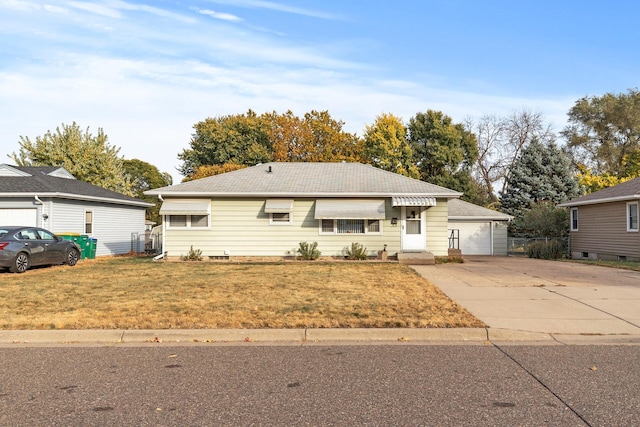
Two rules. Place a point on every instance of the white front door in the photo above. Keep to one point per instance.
(413, 228)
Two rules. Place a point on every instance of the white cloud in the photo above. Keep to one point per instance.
(97, 9)
(219, 15)
(270, 5)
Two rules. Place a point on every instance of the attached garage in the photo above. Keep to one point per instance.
(26, 217)
(476, 230)
(474, 237)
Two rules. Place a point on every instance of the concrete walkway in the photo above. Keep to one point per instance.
(538, 296)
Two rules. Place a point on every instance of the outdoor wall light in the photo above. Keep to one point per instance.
(394, 221)
(45, 217)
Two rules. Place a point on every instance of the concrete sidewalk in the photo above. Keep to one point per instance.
(548, 297)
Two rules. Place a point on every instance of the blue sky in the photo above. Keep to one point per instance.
(147, 71)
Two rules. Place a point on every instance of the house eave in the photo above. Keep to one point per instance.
(599, 201)
(80, 197)
(169, 194)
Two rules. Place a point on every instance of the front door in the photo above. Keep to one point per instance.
(413, 229)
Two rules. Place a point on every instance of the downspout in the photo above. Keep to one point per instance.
(164, 234)
(40, 221)
(491, 225)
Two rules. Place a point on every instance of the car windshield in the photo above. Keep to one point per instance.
(3, 232)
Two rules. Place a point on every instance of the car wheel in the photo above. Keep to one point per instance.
(20, 263)
(72, 257)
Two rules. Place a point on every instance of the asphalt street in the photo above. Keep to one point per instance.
(250, 384)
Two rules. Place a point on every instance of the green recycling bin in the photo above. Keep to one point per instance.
(92, 245)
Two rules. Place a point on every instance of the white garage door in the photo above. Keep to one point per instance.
(18, 217)
(475, 237)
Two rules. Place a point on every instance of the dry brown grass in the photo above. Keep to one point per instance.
(137, 293)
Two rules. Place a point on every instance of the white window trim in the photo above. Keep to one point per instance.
(335, 228)
(188, 226)
(93, 222)
(272, 222)
(629, 229)
(574, 210)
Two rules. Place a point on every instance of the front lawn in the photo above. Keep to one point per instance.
(137, 293)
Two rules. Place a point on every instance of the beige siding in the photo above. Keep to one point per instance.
(240, 227)
(602, 233)
(437, 228)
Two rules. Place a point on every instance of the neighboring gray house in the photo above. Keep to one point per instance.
(476, 230)
(604, 224)
(268, 209)
(52, 198)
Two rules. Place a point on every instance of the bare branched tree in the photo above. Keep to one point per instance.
(500, 142)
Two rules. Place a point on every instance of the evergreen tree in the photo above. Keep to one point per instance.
(542, 173)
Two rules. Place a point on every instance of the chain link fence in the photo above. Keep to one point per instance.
(518, 245)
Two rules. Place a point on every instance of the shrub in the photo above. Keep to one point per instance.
(552, 249)
(356, 252)
(193, 255)
(309, 251)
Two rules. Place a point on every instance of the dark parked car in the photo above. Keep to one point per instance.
(24, 247)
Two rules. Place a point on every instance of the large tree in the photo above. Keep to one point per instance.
(604, 130)
(241, 139)
(316, 137)
(386, 146)
(443, 151)
(542, 173)
(500, 141)
(144, 176)
(87, 157)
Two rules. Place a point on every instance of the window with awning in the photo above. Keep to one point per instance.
(413, 201)
(186, 213)
(349, 209)
(185, 207)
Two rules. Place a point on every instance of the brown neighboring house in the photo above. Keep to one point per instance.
(604, 224)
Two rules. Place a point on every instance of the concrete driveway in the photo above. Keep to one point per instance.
(522, 294)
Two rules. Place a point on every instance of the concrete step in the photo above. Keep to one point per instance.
(416, 258)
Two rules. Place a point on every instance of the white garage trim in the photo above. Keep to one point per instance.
(17, 216)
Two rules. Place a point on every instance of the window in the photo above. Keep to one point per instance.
(280, 218)
(200, 221)
(188, 221)
(88, 222)
(350, 226)
(632, 216)
(326, 226)
(574, 219)
(45, 235)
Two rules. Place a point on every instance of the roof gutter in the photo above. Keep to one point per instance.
(192, 194)
(78, 197)
(598, 201)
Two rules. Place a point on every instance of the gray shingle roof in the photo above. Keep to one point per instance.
(43, 185)
(628, 190)
(307, 179)
(459, 209)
